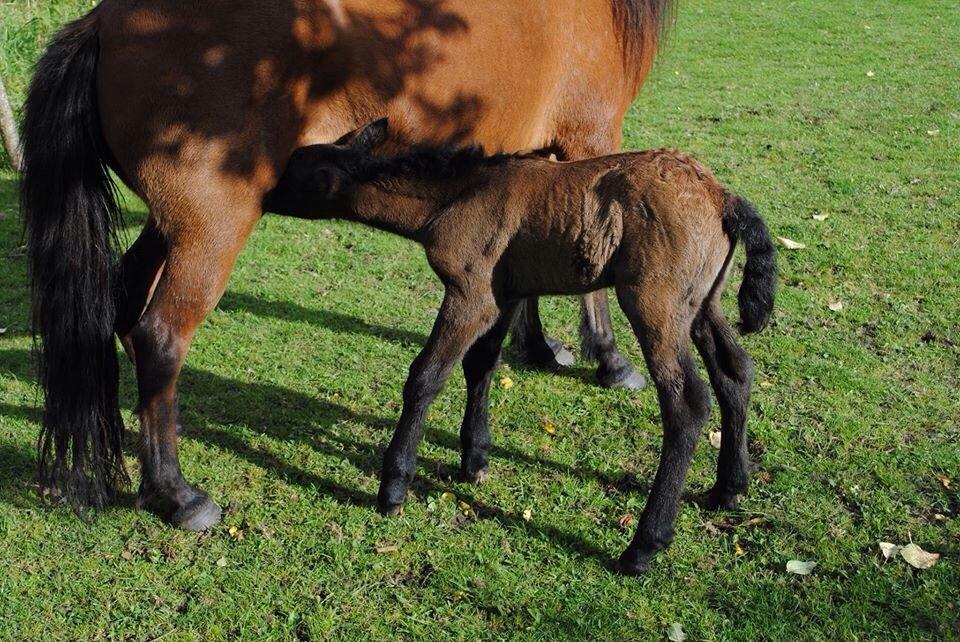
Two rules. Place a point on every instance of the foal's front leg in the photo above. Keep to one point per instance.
(463, 318)
(478, 366)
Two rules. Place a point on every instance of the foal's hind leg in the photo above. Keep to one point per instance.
(478, 366)
(198, 264)
(731, 374)
(684, 408)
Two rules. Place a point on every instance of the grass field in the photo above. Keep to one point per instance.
(850, 110)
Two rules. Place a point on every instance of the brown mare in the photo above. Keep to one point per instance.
(655, 225)
(197, 106)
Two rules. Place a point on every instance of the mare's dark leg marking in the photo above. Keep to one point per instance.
(530, 340)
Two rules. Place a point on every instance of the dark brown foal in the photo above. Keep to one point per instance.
(655, 225)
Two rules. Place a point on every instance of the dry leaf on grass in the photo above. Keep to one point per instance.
(625, 521)
(790, 244)
(549, 428)
(836, 306)
(799, 567)
(821, 217)
(917, 557)
(387, 548)
(888, 549)
(675, 633)
(527, 515)
(715, 438)
(222, 562)
(945, 481)
(236, 533)
(506, 383)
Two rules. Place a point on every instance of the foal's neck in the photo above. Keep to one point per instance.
(404, 205)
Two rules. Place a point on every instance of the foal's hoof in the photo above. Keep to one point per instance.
(632, 564)
(477, 477)
(198, 515)
(625, 377)
(393, 510)
(717, 499)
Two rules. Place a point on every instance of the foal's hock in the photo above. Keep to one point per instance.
(655, 225)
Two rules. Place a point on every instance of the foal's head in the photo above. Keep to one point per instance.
(319, 179)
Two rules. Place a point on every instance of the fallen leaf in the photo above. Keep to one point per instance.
(888, 549)
(738, 550)
(387, 548)
(527, 515)
(506, 383)
(917, 557)
(800, 568)
(836, 306)
(870, 73)
(236, 533)
(625, 521)
(711, 528)
(943, 479)
(3, 330)
(127, 555)
(222, 562)
(821, 217)
(550, 428)
(790, 244)
(675, 633)
(447, 497)
(753, 521)
(715, 437)
(267, 532)
(939, 517)
(766, 384)
(933, 132)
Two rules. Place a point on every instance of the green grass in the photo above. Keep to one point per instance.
(293, 384)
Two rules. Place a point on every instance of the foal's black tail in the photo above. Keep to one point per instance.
(741, 221)
(70, 214)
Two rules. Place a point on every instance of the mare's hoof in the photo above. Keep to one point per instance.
(625, 377)
(199, 515)
(717, 499)
(551, 356)
(477, 477)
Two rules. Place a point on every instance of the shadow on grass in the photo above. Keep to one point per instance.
(210, 401)
(349, 324)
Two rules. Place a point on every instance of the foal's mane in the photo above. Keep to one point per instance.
(428, 161)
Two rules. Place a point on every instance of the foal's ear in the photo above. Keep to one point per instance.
(371, 135)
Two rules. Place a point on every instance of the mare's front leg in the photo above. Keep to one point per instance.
(478, 366)
(684, 408)
(464, 317)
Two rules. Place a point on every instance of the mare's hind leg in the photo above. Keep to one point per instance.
(731, 374)
(463, 318)
(199, 261)
(478, 366)
(530, 340)
(597, 342)
(684, 407)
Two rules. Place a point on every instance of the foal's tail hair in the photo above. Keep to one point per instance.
(70, 215)
(741, 221)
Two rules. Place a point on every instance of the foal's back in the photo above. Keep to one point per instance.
(582, 225)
